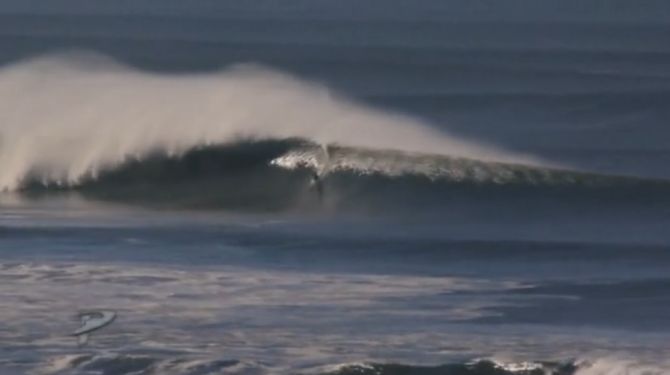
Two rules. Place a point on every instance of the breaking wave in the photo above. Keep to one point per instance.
(250, 138)
(279, 175)
(133, 364)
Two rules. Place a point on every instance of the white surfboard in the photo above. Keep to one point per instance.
(92, 321)
(324, 166)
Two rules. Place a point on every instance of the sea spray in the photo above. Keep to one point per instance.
(66, 117)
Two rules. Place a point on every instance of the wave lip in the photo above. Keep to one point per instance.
(435, 167)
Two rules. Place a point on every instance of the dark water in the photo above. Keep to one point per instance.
(227, 258)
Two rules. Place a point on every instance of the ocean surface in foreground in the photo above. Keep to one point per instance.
(198, 293)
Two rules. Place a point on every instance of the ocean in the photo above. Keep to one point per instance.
(335, 187)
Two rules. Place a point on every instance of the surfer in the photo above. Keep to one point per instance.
(317, 184)
(316, 181)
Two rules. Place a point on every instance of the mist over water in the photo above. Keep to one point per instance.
(70, 116)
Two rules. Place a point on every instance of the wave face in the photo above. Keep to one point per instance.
(279, 175)
(68, 117)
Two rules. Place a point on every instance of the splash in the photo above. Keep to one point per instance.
(68, 117)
